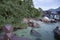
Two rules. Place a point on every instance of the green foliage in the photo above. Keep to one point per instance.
(13, 11)
(20, 25)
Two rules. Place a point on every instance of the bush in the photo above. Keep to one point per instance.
(21, 25)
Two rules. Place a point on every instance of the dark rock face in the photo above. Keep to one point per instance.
(57, 33)
(53, 21)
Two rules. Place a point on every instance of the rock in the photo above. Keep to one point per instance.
(35, 33)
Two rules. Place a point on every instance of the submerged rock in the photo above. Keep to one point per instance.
(35, 33)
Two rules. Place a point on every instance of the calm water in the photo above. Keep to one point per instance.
(46, 31)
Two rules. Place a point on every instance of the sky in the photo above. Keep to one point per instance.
(46, 4)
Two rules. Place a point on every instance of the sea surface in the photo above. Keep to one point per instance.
(45, 31)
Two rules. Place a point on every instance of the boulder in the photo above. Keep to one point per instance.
(46, 19)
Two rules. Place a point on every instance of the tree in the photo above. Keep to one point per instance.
(13, 11)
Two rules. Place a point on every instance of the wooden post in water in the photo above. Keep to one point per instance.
(8, 30)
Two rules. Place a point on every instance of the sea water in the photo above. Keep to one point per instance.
(45, 30)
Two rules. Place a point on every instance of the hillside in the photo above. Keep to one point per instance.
(54, 10)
